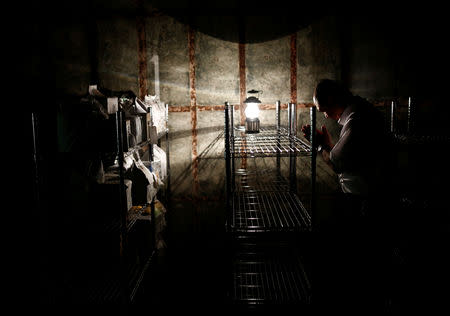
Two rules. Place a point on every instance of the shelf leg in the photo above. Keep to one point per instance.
(228, 165)
(313, 164)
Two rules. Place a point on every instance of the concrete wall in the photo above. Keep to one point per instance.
(117, 57)
(318, 55)
(69, 49)
(217, 71)
(167, 39)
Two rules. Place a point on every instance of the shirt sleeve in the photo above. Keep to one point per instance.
(347, 153)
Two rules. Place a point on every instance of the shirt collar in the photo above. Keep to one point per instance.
(344, 116)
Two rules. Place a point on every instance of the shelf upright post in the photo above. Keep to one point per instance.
(167, 192)
(122, 208)
(410, 116)
(278, 120)
(294, 119)
(312, 112)
(152, 202)
(277, 114)
(167, 151)
(292, 124)
(153, 222)
(231, 110)
(151, 143)
(228, 166)
(392, 116)
(289, 118)
(36, 170)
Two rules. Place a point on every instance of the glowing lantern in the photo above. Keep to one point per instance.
(252, 113)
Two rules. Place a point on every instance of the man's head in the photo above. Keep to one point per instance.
(331, 98)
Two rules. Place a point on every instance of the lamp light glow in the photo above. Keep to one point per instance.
(252, 113)
(252, 110)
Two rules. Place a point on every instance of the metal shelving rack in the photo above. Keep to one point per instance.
(263, 277)
(107, 248)
(409, 135)
(133, 273)
(268, 211)
(257, 197)
(119, 280)
(264, 206)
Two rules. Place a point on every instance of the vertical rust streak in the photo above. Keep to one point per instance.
(242, 93)
(242, 83)
(193, 108)
(294, 68)
(142, 56)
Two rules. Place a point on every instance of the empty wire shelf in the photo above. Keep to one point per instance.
(268, 142)
(421, 139)
(248, 181)
(270, 278)
(268, 212)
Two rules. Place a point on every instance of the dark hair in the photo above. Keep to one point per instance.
(327, 87)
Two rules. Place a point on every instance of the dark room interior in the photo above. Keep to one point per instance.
(156, 188)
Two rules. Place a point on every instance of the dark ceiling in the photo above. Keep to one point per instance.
(248, 21)
(243, 21)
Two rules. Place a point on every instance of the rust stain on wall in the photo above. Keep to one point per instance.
(174, 108)
(272, 106)
(242, 92)
(293, 40)
(193, 109)
(211, 108)
(142, 57)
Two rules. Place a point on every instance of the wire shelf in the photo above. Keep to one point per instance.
(109, 289)
(113, 224)
(105, 286)
(269, 211)
(247, 181)
(270, 278)
(97, 285)
(268, 142)
(421, 139)
(109, 225)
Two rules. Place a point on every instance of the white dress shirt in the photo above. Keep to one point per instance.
(355, 156)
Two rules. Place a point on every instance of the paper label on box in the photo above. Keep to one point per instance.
(113, 105)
